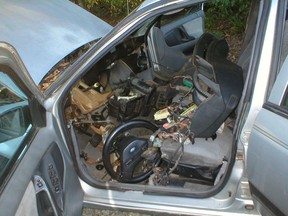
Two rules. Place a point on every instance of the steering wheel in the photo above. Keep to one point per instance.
(123, 149)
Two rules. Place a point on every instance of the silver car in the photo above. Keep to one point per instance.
(151, 115)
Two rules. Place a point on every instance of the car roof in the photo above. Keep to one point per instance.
(44, 32)
(146, 3)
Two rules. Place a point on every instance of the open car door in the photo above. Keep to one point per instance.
(268, 151)
(36, 172)
(172, 38)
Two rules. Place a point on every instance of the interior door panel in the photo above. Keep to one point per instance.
(47, 165)
(48, 181)
(183, 33)
(28, 205)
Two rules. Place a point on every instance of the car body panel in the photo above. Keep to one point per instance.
(232, 199)
(41, 146)
(267, 140)
(45, 33)
(220, 205)
(268, 150)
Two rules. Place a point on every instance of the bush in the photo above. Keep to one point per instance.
(232, 13)
(229, 13)
(114, 8)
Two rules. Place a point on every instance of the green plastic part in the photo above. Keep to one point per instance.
(187, 83)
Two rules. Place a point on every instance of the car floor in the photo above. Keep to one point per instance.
(96, 169)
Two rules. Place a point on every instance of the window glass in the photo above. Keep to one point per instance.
(179, 14)
(284, 50)
(15, 122)
(284, 53)
(285, 99)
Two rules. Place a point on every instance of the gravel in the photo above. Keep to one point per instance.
(97, 212)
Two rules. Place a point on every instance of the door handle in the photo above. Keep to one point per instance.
(185, 37)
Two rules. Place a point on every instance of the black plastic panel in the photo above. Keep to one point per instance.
(51, 170)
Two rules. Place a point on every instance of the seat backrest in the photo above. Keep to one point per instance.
(213, 111)
(202, 45)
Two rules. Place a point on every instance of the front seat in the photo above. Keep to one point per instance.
(223, 77)
(166, 61)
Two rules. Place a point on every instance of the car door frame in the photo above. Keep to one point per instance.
(250, 110)
(264, 87)
(268, 149)
(126, 27)
(40, 138)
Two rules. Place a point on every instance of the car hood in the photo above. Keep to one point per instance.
(44, 32)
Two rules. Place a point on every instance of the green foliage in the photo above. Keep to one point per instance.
(229, 14)
(112, 8)
(232, 13)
